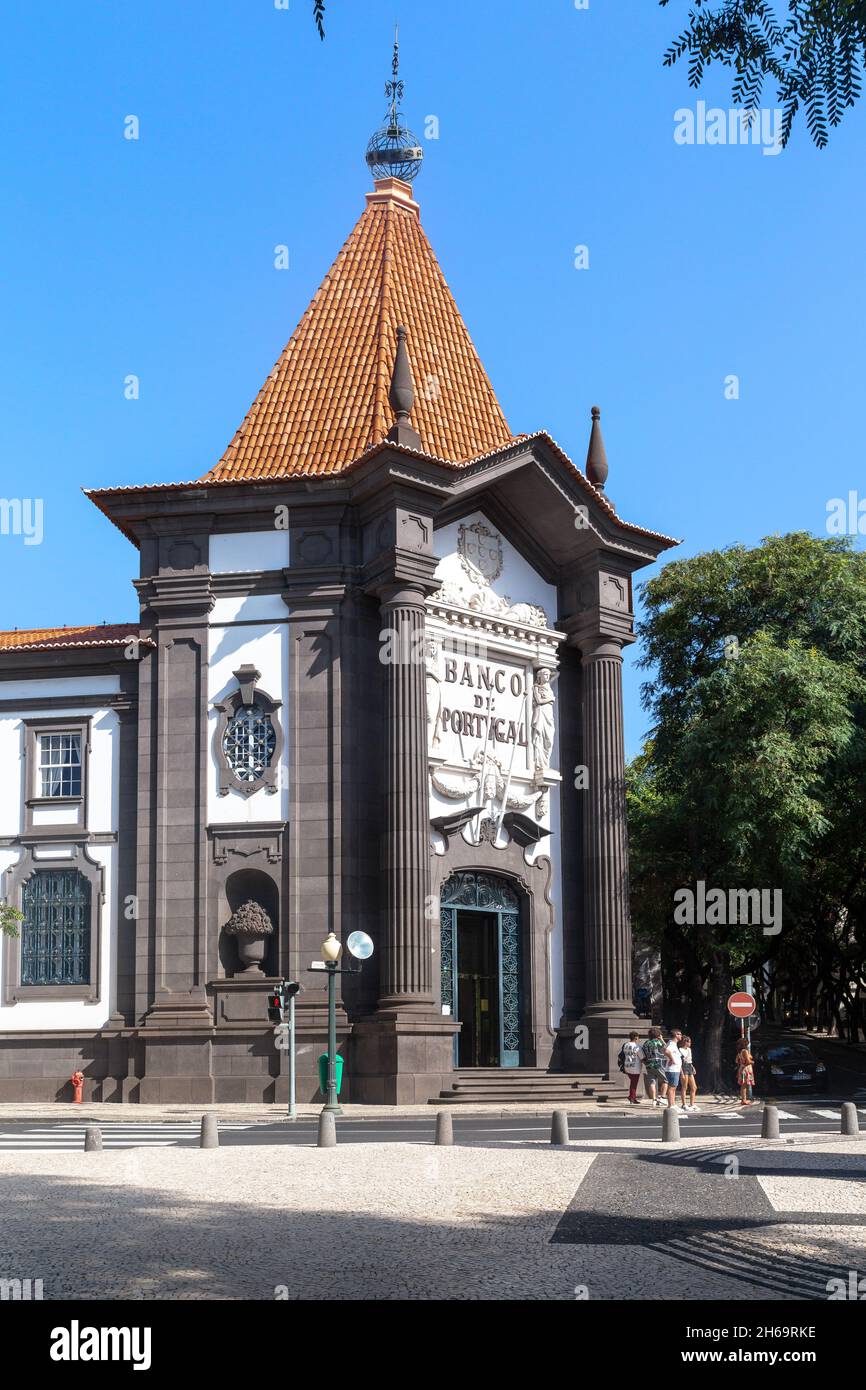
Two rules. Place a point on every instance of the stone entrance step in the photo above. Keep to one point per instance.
(513, 1085)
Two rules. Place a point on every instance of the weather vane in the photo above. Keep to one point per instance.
(393, 151)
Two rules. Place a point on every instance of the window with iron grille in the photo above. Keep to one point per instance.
(60, 764)
(55, 933)
(249, 742)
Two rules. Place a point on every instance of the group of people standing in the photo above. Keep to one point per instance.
(667, 1066)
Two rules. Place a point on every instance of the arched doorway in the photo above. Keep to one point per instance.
(482, 968)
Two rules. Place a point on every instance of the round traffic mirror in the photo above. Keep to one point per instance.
(360, 945)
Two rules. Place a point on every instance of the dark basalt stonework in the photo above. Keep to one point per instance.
(354, 851)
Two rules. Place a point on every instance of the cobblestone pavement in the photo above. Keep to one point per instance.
(398, 1221)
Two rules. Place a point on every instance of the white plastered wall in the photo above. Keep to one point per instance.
(520, 584)
(102, 818)
(248, 631)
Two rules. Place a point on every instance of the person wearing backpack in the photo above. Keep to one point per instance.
(630, 1062)
(652, 1053)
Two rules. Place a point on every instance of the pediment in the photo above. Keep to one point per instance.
(540, 502)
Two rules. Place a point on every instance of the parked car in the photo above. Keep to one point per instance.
(790, 1066)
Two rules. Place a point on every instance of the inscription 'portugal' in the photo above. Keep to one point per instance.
(486, 682)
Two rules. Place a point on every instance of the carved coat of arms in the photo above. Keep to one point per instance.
(480, 551)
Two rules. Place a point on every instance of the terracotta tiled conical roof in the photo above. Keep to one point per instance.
(326, 400)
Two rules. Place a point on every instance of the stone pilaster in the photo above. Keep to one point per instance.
(317, 754)
(406, 975)
(172, 845)
(605, 836)
(404, 1052)
(608, 1007)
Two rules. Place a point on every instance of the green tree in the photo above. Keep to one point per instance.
(812, 50)
(9, 919)
(753, 774)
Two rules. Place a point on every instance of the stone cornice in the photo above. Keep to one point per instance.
(401, 569)
(505, 631)
(177, 600)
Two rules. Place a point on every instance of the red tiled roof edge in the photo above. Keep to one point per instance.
(47, 639)
(382, 447)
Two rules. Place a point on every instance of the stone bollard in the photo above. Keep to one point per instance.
(850, 1123)
(444, 1128)
(770, 1122)
(559, 1128)
(210, 1136)
(670, 1126)
(92, 1139)
(327, 1130)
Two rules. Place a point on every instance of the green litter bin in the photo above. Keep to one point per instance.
(323, 1073)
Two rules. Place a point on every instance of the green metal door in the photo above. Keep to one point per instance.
(488, 893)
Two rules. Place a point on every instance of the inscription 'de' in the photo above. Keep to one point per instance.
(485, 683)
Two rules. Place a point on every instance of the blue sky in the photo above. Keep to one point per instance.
(556, 129)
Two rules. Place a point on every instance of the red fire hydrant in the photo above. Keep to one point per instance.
(77, 1079)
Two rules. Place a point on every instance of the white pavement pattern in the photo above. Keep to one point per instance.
(398, 1221)
(70, 1137)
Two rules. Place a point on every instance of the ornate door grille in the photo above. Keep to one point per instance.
(485, 893)
(55, 933)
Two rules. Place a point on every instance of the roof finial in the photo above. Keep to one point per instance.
(394, 88)
(596, 458)
(401, 397)
(393, 151)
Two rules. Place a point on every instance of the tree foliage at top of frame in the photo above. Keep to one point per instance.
(815, 54)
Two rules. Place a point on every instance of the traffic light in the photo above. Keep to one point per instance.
(278, 1000)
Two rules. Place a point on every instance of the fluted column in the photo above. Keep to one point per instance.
(607, 924)
(406, 975)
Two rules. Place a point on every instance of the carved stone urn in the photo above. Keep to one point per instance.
(250, 926)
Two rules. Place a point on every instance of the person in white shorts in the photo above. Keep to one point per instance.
(673, 1066)
(688, 1082)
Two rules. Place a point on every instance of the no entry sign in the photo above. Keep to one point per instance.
(741, 1005)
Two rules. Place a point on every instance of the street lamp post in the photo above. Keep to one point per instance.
(331, 952)
(361, 948)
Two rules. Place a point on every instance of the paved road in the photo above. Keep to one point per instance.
(814, 1118)
(677, 1204)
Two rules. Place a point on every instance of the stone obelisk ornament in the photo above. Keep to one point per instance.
(401, 397)
(596, 458)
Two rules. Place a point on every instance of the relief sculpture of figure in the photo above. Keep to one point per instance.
(543, 727)
(434, 693)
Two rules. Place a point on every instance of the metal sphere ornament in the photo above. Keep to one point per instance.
(393, 151)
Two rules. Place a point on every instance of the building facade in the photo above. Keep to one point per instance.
(374, 683)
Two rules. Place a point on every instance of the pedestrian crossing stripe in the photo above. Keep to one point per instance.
(129, 1126)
